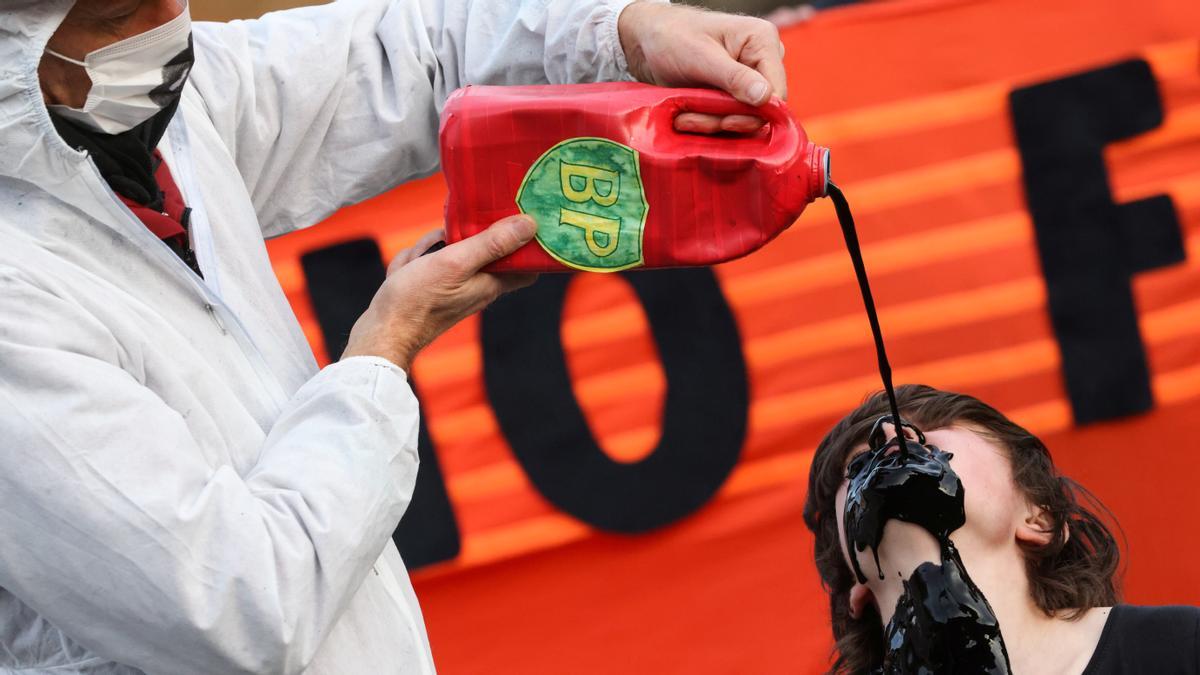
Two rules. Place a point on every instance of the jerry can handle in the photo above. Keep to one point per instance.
(714, 102)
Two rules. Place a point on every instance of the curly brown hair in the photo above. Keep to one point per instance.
(1067, 576)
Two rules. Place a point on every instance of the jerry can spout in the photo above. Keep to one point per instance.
(818, 162)
(808, 179)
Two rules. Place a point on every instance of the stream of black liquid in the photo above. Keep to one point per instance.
(942, 622)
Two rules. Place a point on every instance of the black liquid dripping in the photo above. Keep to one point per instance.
(850, 234)
(942, 622)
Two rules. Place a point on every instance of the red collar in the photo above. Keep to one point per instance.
(169, 223)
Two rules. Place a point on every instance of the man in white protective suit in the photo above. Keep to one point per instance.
(181, 489)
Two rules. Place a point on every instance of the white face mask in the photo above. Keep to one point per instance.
(132, 80)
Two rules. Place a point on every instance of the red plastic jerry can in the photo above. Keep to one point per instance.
(612, 184)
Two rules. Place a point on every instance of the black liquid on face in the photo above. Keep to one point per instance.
(917, 486)
(942, 622)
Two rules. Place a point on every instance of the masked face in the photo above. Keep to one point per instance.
(133, 79)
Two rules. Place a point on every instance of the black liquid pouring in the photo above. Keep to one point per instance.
(850, 234)
(942, 622)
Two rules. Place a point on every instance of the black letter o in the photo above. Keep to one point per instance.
(704, 414)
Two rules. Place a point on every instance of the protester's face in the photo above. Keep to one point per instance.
(92, 25)
(996, 511)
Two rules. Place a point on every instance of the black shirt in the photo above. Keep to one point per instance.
(1149, 640)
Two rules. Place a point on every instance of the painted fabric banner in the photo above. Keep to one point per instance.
(614, 465)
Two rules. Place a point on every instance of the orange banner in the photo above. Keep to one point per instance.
(939, 114)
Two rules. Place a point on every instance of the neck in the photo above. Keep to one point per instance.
(1037, 644)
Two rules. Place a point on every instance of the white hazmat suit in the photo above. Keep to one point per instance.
(181, 491)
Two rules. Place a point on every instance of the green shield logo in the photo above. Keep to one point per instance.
(587, 198)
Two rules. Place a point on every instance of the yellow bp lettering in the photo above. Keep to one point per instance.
(599, 233)
(597, 185)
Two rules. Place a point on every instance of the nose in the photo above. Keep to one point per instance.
(889, 432)
(891, 444)
(884, 431)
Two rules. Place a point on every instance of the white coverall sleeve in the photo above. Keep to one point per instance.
(329, 105)
(118, 531)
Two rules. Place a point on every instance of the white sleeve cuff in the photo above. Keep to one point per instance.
(611, 36)
(374, 376)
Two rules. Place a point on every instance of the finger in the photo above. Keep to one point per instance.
(717, 68)
(499, 240)
(764, 53)
(427, 241)
(697, 123)
(483, 288)
(416, 250)
(491, 285)
(741, 124)
(703, 123)
(772, 69)
(514, 282)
